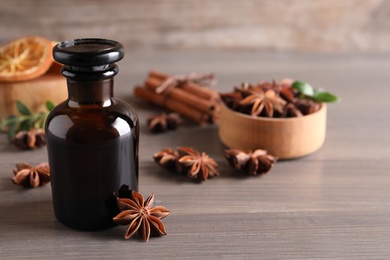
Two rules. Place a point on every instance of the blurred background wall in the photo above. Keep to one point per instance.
(269, 25)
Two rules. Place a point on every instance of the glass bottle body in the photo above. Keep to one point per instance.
(92, 142)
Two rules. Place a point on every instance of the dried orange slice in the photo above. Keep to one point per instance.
(25, 58)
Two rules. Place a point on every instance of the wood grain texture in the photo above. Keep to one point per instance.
(286, 138)
(334, 203)
(33, 93)
(293, 25)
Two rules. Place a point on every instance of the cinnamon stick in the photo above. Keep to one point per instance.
(149, 96)
(195, 89)
(178, 94)
(202, 92)
(175, 106)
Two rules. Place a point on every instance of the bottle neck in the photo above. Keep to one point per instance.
(90, 92)
(90, 85)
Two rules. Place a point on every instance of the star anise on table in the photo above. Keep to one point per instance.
(252, 163)
(167, 158)
(139, 214)
(164, 122)
(197, 165)
(263, 102)
(31, 139)
(28, 176)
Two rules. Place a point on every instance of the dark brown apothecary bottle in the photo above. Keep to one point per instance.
(92, 137)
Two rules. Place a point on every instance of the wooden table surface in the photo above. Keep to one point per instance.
(334, 203)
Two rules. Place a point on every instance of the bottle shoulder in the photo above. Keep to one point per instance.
(122, 107)
(91, 120)
(116, 107)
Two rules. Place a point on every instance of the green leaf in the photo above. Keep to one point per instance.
(22, 108)
(25, 125)
(325, 97)
(11, 128)
(317, 91)
(39, 122)
(49, 105)
(303, 88)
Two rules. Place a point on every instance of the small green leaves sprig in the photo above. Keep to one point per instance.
(25, 121)
(319, 95)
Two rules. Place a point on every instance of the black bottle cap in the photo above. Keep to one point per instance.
(89, 58)
(88, 52)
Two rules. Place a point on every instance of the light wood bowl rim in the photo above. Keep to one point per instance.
(272, 119)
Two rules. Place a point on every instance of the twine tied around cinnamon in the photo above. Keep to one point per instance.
(167, 85)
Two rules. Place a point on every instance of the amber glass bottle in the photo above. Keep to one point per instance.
(92, 137)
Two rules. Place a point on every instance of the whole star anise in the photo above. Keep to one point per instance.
(167, 158)
(253, 163)
(31, 139)
(307, 106)
(163, 122)
(263, 102)
(197, 165)
(28, 176)
(232, 99)
(292, 111)
(141, 215)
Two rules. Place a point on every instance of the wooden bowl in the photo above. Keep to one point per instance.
(285, 138)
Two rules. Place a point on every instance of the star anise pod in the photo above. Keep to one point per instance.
(31, 139)
(28, 176)
(265, 103)
(197, 165)
(266, 85)
(253, 163)
(289, 94)
(307, 106)
(231, 99)
(167, 158)
(141, 215)
(163, 122)
(292, 111)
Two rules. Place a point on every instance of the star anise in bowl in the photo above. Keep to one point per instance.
(253, 163)
(141, 215)
(262, 102)
(287, 98)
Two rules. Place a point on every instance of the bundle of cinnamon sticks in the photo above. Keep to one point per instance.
(191, 100)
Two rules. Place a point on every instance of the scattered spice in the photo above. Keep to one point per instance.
(164, 122)
(167, 158)
(197, 165)
(31, 139)
(252, 163)
(28, 176)
(141, 215)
